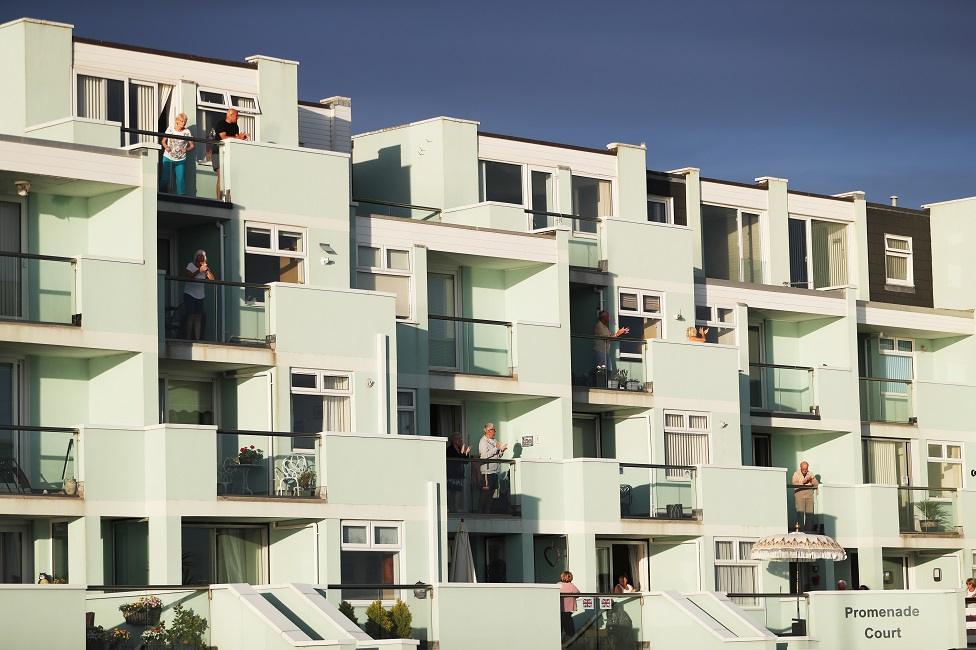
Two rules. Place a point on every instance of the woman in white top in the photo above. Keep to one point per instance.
(622, 586)
(194, 294)
(174, 156)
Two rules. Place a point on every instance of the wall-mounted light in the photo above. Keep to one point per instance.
(420, 591)
(888, 577)
(23, 187)
(937, 574)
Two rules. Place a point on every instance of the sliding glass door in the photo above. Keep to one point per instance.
(818, 253)
(731, 244)
(223, 554)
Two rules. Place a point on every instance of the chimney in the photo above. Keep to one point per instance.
(894, 200)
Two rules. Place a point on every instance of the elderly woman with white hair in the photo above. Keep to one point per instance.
(174, 156)
(194, 294)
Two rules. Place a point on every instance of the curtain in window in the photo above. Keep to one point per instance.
(91, 97)
(335, 413)
(143, 114)
(736, 579)
(829, 254)
(10, 267)
(882, 461)
(238, 555)
(751, 248)
(633, 559)
(605, 207)
(685, 449)
(189, 402)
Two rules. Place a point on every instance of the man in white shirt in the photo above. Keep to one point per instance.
(194, 294)
(489, 448)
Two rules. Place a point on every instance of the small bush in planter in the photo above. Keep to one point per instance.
(378, 623)
(186, 629)
(401, 618)
(144, 611)
(306, 481)
(349, 612)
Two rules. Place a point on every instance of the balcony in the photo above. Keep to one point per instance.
(803, 509)
(608, 621)
(928, 511)
(38, 289)
(268, 464)
(887, 400)
(470, 346)
(658, 492)
(608, 363)
(782, 390)
(215, 311)
(38, 461)
(370, 207)
(471, 490)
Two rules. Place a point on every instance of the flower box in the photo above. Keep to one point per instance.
(143, 617)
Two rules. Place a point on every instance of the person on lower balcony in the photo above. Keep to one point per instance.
(566, 586)
(803, 495)
(489, 449)
(601, 347)
(174, 157)
(194, 294)
(457, 453)
(623, 586)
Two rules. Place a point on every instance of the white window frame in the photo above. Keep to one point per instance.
(894, 351)
(613, 203)
(385, 269)
(371, 544)
(319, 390)
(668, 202)
(737, 562)
(714, 322)
(763, 250)
(228, 102)
(274, 251)
(808, 234)
(482, 189)
(81, 72)
(687, 428)
(527, 192)
(640, 313)
(412, 409)
(907, 255)
(214, 388)
(961, 461)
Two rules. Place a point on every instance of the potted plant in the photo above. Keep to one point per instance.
(154, 638)
(932, 515)
(144, 611)
(117, 638)
(306, 482)
(698, 335)
(621, 379)
(186, 630)
(249, 455)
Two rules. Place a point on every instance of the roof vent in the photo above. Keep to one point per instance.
(894, 200)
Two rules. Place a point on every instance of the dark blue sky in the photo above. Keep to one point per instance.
(836, 95)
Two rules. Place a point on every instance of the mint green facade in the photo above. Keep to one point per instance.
(365, 307)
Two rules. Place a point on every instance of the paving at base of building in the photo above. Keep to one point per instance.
(245, 382)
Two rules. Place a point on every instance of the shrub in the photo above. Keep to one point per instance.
(349, 611)
(186, 628)
(400, 620)
(378, 623)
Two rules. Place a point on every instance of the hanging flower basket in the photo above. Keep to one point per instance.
(144, 612)
(249, 455)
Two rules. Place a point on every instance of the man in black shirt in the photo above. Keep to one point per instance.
(223, 130)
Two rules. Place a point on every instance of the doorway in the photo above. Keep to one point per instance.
(446, 419)
(587, 441)
(15, 567)
(894, 572)
(442, 328)
(621, 557)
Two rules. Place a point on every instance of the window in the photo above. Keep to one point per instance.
(272, 254)
(735, 572)
(130, 552)
(899, 268)
(407, 412)
(944, 466)
(59, 550)
(731, 244)
(212, 106)
(827, 266)
(370, 555)
(386, 269)
(134, 104)
(320, 401)
(188, 401)
(223, 554)
(659, 209)
(719, 321)
(501, 182)
(643, 313)
(591, 199)
(685, 440)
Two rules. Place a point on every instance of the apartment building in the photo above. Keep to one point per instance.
(270, 441)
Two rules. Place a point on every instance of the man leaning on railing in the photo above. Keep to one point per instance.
(225, 129)
(806, 484)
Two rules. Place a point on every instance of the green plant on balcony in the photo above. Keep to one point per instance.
(249, 455)
(378, 623)
(402, 620)
(154, 637)
(348, 611)
(186, 629)
(621, 379)
(306, 481)
(932, 515)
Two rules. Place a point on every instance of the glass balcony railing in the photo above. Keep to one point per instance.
(803, 509)
(216, 311)
(369, 207)
(38, 288)
(781, 614)
(107, 627)
(471, 346)
(418, 596)
(781, 389)
(481, 487)
(927, 511)
(657, 491)
(607, 621)
(269, 464)
(887, 400)
(608, 363)
(38, 461)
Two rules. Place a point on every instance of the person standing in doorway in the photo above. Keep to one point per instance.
(489, 449)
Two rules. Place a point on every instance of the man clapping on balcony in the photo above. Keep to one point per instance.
(489, 448)
(806, 484)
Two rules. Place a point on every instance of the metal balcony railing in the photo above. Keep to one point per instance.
(368, 207)
(927, 511)
(471, 346)
(216, 311)
(781, 389)
(657, 491)
(610, 363)
(38, 288)
(887, 400)
(482, 487)
(269, 464)
(38, 461)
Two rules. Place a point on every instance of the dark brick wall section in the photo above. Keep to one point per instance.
(884, 219)
(668, 185)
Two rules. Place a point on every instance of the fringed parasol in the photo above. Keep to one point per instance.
(798, 547)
